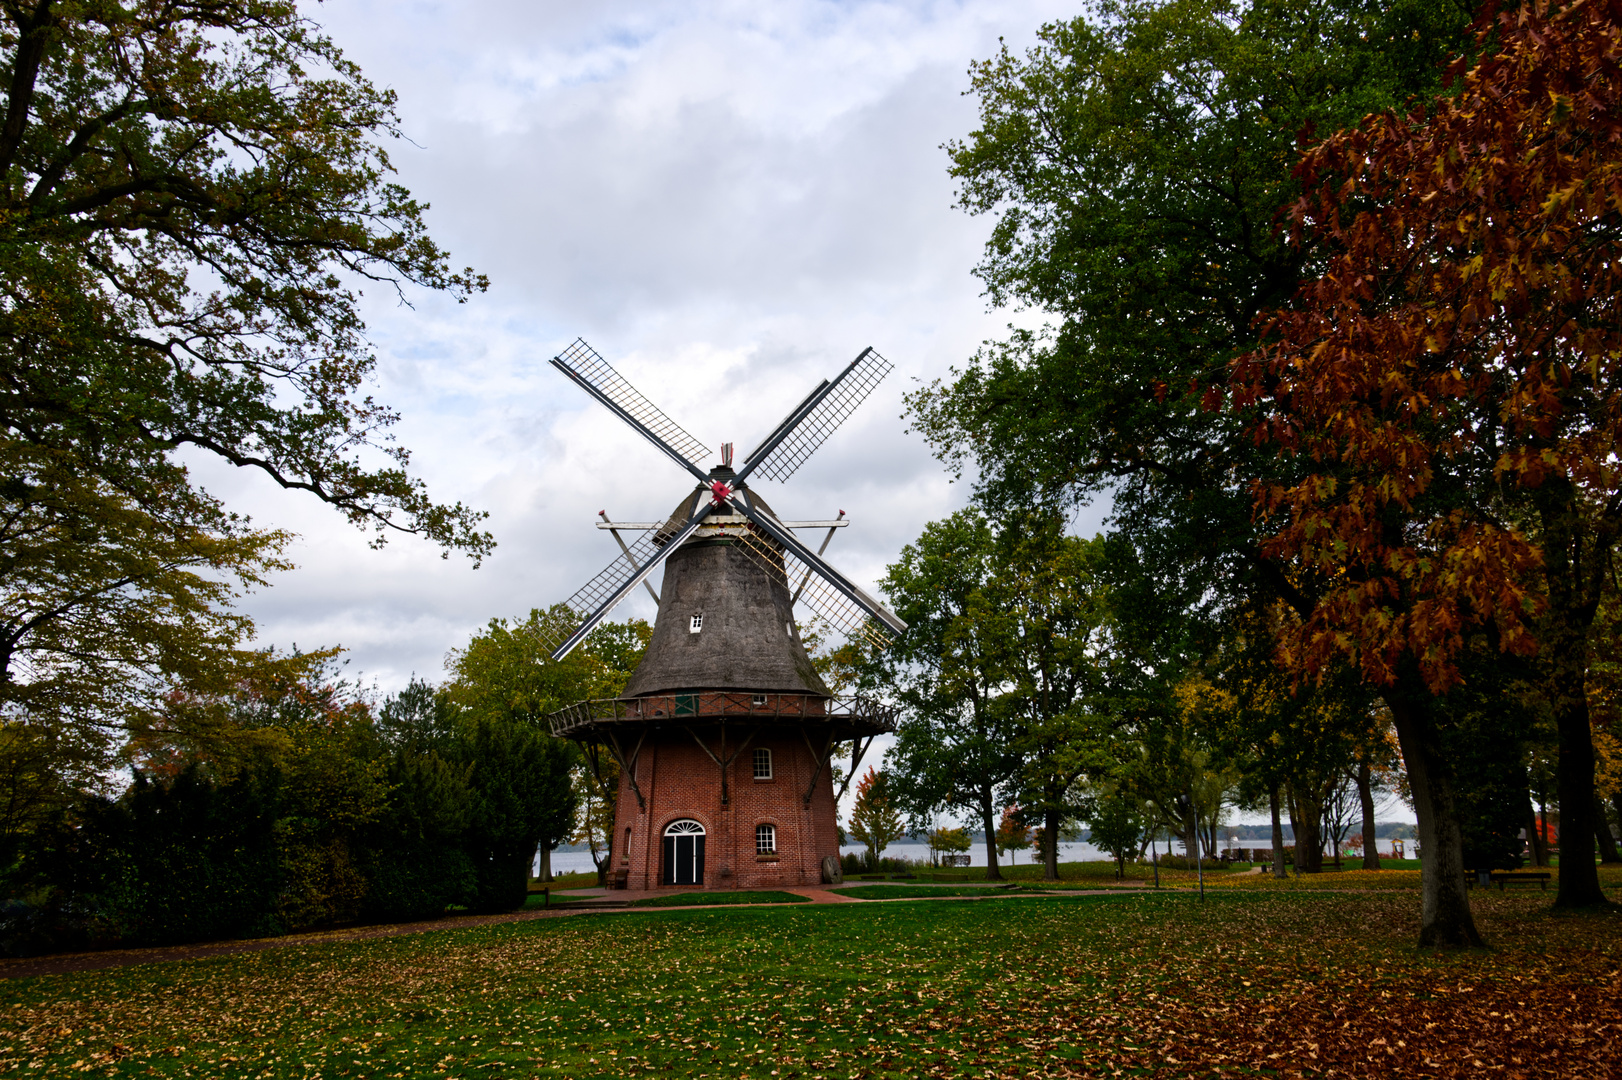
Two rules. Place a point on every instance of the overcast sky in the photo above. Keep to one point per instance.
(729, 201)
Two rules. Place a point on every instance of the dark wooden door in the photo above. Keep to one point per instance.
(684, 859)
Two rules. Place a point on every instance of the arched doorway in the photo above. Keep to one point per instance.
(684, 853)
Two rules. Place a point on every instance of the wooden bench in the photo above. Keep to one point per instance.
(1501, 880)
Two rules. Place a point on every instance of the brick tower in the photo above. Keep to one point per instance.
(725, 735)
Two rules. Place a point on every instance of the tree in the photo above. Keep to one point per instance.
(1452, 380)
(109, 608)
(875, 820)
(594, 813)
(505, 679)
(1136, 162)
(416, 856)
(194, 194)
(949, 841)
(1117, 826)
(522, 798)
(1053, 633)
(507, 670)
(955, 747)
(1013, 834)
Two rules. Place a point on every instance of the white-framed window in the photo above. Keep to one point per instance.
(765, 839)
(758, 701)
(697, 623)
(763, 763)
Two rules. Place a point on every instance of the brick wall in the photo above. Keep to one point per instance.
(679, 780)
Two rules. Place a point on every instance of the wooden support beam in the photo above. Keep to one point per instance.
(629, 767)
(821, 759)
(858, 750)
(628, 556)
(722, 764)
(834, 525)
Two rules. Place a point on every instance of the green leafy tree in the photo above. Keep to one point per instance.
(1116, 825)
(948, 840)
(108, 610)
(505, 682)
(507, 669)
(192, 198)
(417, 861)
(522, 798)
(193, 195)
(1053, 632)
(956, 745)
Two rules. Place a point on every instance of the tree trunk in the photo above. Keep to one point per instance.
(1571, 556)
(1602, 834)
(1574, 773)
(1365, 796)
(1305, 824)
(1444, 910)
(988, 816)
(1279, 870)
(546, 862)
(1050, 841)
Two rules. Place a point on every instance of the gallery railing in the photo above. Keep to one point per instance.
(859, 711)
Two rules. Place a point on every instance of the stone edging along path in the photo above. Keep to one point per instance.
(67, 963)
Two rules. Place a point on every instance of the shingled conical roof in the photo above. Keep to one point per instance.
(724, 623)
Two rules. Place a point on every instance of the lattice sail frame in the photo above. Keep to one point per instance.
(607, 581)
(864, 376)
(824, 601)
(585, 362)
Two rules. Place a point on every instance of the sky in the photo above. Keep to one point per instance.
(728, 201)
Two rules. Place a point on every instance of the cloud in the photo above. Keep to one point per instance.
(728, 200)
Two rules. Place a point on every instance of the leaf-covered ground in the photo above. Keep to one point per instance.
(1286, 983)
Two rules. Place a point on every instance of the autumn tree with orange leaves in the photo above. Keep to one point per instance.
(1453, 381)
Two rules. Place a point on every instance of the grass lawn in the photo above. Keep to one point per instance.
(740, 896)
(1286, 983)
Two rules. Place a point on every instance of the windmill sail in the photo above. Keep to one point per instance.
(824, 590)
(594, 600)
(582, 364)
(820, 598)
(836, 402)
(833, 597)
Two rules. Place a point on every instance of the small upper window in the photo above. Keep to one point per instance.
(763, 764)
(758, 701)
(765, 839)
(697, 624)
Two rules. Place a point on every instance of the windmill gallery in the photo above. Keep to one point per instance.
(725, 735)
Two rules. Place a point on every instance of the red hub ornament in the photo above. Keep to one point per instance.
(720, 492)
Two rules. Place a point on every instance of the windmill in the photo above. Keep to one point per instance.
(726, 670)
